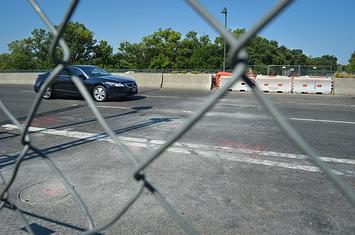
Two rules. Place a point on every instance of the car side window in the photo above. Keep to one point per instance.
(64, 73)
(97, 72)
(74, 71)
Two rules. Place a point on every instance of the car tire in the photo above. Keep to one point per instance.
(99, 93)
(48, 94)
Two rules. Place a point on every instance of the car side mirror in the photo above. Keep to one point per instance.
(82, 76)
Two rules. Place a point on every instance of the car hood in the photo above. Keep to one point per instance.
(113, 78)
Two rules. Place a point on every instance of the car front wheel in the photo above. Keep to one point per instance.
(48, 93)
(99, 93)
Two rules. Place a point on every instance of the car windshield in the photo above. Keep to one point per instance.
(93, 71)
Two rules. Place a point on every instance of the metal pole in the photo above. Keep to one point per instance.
(225, 12)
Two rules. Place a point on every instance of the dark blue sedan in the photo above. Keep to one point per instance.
(101, 84)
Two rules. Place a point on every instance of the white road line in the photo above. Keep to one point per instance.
(84, 135)
(155, 110)
(228, 153)
(221, 101)
(162, 96)
(263, 162)
(322, 120)
(331, 105)
(238, 105)
(112, 107)
(238, 115)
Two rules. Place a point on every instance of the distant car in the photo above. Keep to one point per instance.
(101, 84)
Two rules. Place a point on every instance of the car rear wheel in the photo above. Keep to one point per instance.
(48, 93)
(99, 93)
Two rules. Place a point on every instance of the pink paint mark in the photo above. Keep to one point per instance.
(254, 148)
(43, 121)
(172, 126)
(52, 192)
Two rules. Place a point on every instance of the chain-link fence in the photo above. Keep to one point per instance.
(299, 70)
(239, 59)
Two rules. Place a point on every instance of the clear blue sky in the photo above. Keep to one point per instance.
(318, 27)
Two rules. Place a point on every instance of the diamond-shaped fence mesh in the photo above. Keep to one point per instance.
(239, 59)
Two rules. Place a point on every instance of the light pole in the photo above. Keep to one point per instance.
(225, 12)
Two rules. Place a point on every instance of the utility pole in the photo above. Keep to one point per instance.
(225, 12)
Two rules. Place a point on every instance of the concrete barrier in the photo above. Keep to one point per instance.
(187, 81)
(18, 78)
(344, 86)
(278, 84)
(149, 80)
(239, 85)
(312, 85)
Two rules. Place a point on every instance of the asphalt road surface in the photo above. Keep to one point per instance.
(235, 172)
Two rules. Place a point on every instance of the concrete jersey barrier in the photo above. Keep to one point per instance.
(341, 86)
(149, 80)
(312, 85)
(344, 86)
(187, 81)
(18, 78)
(239, 85)
(279, 84)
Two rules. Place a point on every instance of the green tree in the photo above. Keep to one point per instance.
(185, 51)
(103, 55)
(163, 46)
(131, 56)
(325, 60)
(21, 54)
(40, 41)
(81, 42)
(207, 55)
(163, 49)
(351, 66)
(5, 61)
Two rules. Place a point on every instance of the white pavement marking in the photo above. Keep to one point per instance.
(262, 162)
(221, 101)
(322, 120)
(112, 107)
(228, 153)
(331, 105)
(162, 96)
(238, 105)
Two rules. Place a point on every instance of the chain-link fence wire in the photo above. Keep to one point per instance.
(238, 57)
(299, 70)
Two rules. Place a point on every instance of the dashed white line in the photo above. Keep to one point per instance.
(322, 120)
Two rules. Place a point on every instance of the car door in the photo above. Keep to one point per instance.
(60, 83)
(71, 87)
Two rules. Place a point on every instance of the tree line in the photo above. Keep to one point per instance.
(163, 49)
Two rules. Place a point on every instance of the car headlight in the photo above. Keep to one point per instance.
(116, 84)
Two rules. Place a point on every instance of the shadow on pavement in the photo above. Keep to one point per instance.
(6, 160)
